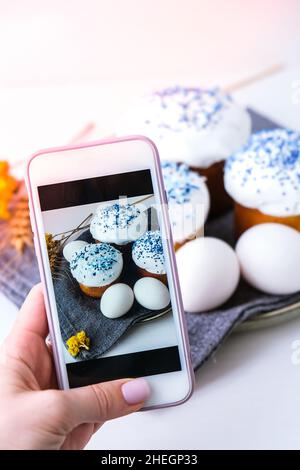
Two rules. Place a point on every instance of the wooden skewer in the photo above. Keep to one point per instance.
(84, 132)
(79, 227)
(272, 70)
(141, 200)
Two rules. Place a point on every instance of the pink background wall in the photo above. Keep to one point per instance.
(64, 63)
(200, 40)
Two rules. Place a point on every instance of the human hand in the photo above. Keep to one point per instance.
(33, 413)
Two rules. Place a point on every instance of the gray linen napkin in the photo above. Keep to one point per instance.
(17, 274)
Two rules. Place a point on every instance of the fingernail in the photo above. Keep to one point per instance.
(136, 391)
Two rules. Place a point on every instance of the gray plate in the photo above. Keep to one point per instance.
(157, 315)
(271, 318)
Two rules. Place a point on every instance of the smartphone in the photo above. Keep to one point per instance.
(106, 259)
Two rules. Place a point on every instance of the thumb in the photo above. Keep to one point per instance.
(108, 400)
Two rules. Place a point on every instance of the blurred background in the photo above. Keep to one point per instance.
(66, 63)
(54, 42)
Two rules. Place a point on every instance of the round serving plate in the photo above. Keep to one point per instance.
(156, 315)
(271, 318)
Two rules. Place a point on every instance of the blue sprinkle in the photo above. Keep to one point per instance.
(179, 108)
(180, 182)
(273, 154)
(149, 246)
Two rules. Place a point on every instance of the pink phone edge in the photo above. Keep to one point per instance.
(162, 195)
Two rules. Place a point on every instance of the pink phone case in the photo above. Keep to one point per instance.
(164, 203)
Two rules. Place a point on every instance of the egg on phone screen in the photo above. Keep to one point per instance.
(151, 293)
(116, 301)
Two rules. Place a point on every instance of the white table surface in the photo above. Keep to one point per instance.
(248, 395)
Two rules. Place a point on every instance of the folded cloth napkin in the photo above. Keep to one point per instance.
(206, 330)
(18, 273)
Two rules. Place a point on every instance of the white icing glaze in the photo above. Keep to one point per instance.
(190, 125)
(188, 200)
(118, 223)
(96, 265)
(265, 173)
(147, 253)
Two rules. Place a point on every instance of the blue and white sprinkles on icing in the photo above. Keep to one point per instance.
(96, 265)
(148, 254)
(265, 173)
(189, 124)
(188, 199)
(118, 223)
(180, 182)
(182, 108)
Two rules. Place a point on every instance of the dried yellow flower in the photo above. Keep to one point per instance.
(53, 248)
(73, 347)
(4, 212)
(8, 186)
(77, 342)
(83, 340)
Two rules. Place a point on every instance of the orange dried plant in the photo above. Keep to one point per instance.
(8, 186)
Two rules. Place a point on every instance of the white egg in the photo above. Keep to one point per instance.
(151, 293)
(269, 255)
(209, 273)
(72, 247)
(116, 300)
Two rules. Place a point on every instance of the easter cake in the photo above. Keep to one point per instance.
(188, 201)
(148, 255)
(96, 266)
(263, 178)
(118, 223)
(199, 127)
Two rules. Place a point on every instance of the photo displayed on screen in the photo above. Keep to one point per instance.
(107, 263)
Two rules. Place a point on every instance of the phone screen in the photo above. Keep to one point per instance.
(111, 287)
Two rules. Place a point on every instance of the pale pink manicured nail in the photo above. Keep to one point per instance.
(135, 391)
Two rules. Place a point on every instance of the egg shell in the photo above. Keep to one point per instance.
(116, 301)
(209, 273)
(72, 247)
(269, 255)
(151, 293)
